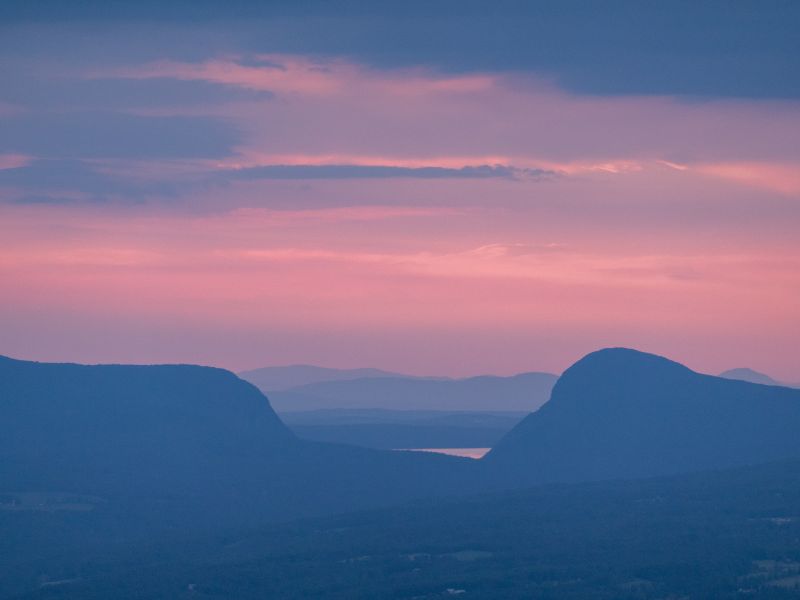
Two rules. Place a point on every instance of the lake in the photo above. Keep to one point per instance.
(466, 452)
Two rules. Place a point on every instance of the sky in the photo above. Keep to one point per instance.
(430, 187)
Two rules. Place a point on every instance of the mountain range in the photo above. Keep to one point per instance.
(523, 392)
(161, 429)
(273, 379)
(94, 458)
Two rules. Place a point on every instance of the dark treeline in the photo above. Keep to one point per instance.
(729, 534)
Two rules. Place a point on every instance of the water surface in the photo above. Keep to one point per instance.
(466, 452)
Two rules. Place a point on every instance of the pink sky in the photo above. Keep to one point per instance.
(652, 222)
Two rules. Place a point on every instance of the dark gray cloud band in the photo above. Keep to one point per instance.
(50, 181)
(99, 134)
(716, 48)
(46, 181)
(38, 91)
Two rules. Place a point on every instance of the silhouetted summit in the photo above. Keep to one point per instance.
(624, 413)
(745, 374)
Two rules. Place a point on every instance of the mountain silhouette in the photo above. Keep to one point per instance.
(69, 425)
(623, 413)
(271, 379)
(187, 445)
(745, 374)
(523, 392)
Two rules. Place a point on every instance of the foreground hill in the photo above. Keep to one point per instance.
(272, 379)
(623, 413)
(722, 535)
(523, 392)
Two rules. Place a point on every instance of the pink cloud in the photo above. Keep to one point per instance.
(249, 159)
(291, 74)
(14, 161)
(783, 178)
(334, 109)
